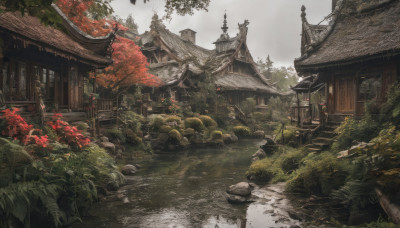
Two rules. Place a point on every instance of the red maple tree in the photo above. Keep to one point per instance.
(129, 64)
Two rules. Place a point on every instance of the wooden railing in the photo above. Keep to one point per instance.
(239, 114)
(105, 104)
(305, 114)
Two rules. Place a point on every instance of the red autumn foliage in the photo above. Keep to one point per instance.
(66, 133)
(130, 65)
(75, 11)
(18, 129)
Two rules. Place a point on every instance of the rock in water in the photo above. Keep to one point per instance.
(128, 170)
(240, 189)
(236, 199)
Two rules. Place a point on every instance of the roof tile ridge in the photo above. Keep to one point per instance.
(324, 35)
(70, 23)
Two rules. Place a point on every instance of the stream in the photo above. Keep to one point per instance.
(187, 189)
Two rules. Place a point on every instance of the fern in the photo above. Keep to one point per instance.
(16, 198)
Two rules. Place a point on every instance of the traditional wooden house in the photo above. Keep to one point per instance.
(357, 55)
(179, 62)
(42, 62)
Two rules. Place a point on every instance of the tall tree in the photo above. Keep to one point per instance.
(130, 24)
(129, 67)
(282, 77)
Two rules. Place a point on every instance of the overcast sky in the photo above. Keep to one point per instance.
(274, 29)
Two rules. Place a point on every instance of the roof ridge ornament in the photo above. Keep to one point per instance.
(225, 27)
(303, 14)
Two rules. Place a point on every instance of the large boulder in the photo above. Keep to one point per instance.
(269, 146)
(260, 154)
(129, 170)
(240, 189)
(110, 147)
(104, 139)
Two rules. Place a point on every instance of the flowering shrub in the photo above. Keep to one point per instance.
(66, 133)
(17, 128)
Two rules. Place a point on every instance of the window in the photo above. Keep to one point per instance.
(22, 81)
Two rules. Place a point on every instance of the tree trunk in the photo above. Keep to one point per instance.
(391, 209)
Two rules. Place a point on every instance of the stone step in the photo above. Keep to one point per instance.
(315, 146)
(316, 150)
(328, 134)
(334, 123)
(326, 141)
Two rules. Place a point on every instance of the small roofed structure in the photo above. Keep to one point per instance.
(179, 62)
(357, 54)
(306, 113)
(41, 65)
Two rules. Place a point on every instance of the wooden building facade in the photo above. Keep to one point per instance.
(41, 62)
(357, 55)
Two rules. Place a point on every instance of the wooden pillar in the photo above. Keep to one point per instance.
(298, 109)
(309, 106)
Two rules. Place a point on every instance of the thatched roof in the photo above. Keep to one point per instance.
(308, 84)
(169, 72)
(233, 81)
(358, 31)
(32, 32)
(193, 58)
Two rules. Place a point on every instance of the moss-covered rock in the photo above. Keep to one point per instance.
(216, 135)
(132, 138)
(174, 135)
(194, 123)
(188, 132)
(165, 129)
(157, 122)
(208, 121)
(242, 131)
(176, 119)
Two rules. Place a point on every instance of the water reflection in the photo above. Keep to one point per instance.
(188, 190)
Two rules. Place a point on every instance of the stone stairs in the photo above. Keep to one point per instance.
(324, 139)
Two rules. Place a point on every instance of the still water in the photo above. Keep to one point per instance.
(187, 189)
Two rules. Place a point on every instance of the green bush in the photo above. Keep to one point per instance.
(165, 129)
(291, 161)
(115, 134)
(157, 122)
(194, 123)
(263, 116)
(208, 121)
(131, 120)
(289, 134)
(263, 170)
(242, 131)
(176, 119)
(353, 130)
(132, 138)
(320, 175)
